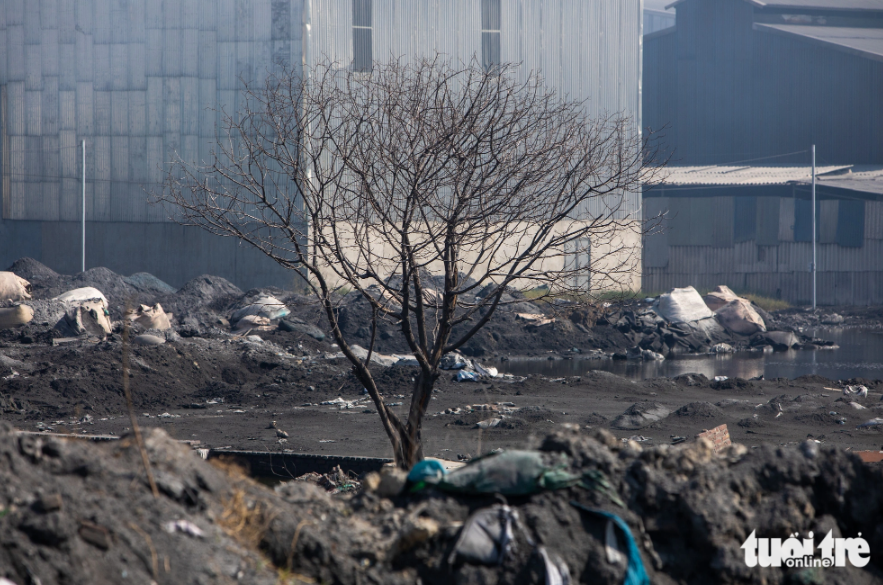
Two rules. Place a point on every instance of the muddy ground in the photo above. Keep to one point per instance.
(226, 394)
(224, 391)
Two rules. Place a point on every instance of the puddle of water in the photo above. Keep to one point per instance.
(860, 356)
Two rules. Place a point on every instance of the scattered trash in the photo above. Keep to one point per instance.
(860, 391)
(721, 378)
(489, 423)
(682, 305)
(454, 361)
(535, 319)
(635, 573)
(510, 473)
(487, 537)
(485, 372)
(722, 348)
(464, 376)
(16, 316)
(677, 440)
(874, 422)
(167, 415)
(718, 297)
(719, 437)
(637, 439)
(151, 317)
(265, 306)
(147, 339)
(294, 325)
(184, 526)
(86, 317)
(738, 316)
(557, 571)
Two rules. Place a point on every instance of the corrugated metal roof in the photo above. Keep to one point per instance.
(821, 4)
(859, 178)
(811, 4)
(742, 175)
(867, 42)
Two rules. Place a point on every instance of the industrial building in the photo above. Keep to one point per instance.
(142, 82)
(739, 91)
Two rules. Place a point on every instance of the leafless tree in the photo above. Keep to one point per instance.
(420, 186)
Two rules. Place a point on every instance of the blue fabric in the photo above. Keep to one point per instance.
(428, 469)
(635, 574)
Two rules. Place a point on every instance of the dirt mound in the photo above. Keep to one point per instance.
(640, 415)
(32, 270)
(699, 410)
(687, 509)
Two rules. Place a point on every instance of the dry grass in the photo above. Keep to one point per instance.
(245, 519)
(766, 303)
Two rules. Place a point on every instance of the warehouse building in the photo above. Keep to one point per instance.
(144, 81)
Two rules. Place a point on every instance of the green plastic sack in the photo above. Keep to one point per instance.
(510, 473)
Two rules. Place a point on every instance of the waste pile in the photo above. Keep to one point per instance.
(574, 508)
(43, 305)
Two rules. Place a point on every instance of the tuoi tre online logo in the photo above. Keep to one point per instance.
(795, 552)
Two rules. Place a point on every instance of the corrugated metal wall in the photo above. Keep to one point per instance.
(586, 50)
(137, 81)
(775, 267)
(730, 93)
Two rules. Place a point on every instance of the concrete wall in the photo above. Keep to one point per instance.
(607, 260)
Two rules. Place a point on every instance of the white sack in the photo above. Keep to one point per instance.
(739, 316)
(15, 316)
(682, 305)
(719, 297)
(13, 287)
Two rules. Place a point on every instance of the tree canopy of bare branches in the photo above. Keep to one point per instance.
(374, 182)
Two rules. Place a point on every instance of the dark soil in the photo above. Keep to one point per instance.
(77, 512)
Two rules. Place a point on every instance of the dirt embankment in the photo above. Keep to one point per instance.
(75, 512)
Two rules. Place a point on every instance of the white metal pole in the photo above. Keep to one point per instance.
(83, 219)
(814, 226)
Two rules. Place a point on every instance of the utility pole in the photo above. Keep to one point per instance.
(814, 227)
(83, 219)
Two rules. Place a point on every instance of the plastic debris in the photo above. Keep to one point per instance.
(510, 473)
(488, 423)
(487, 537)
(15, 316)
(184, 526)
(428, 470)
(635, 574)
(454, 361)
(860, 391)
(557, 572)
(464, 376)
(721, 378)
